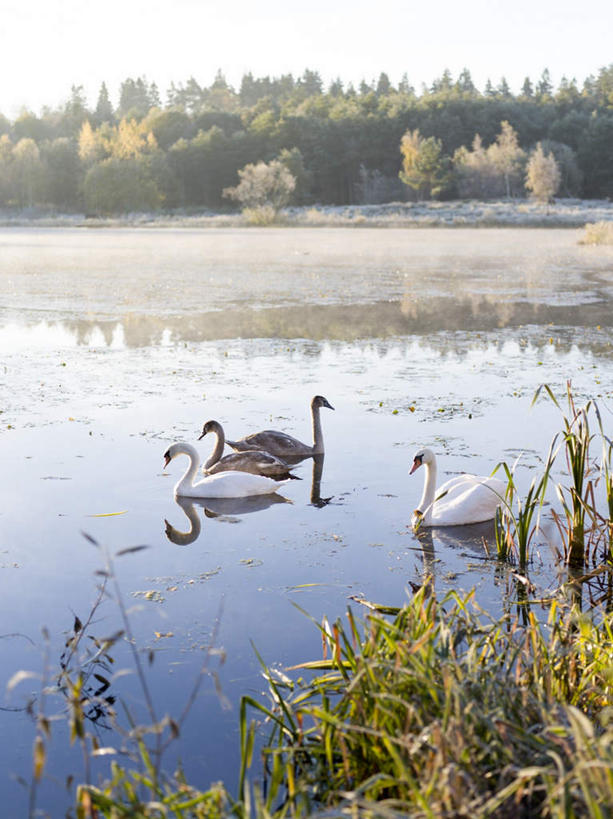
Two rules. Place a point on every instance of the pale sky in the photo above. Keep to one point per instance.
(48, 45)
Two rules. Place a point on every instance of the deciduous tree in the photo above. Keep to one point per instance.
(263, 184)
(542, 175)
(509, 158)
(424, 167)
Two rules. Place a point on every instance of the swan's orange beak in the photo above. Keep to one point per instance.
(416, 465)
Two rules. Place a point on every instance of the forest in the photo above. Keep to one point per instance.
(339, 144)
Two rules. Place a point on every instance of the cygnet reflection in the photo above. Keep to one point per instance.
(318, 468)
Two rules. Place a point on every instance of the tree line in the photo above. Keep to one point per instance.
(340, 145)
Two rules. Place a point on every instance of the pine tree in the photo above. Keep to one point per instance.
(384, 85)
(104, 109)
(544, 86)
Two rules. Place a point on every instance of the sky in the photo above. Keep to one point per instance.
(46, 46)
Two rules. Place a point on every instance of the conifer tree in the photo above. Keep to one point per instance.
(104, 109)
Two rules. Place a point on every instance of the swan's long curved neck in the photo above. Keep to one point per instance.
(187, 481)
(185, 538)
(318, 436)
(219, 447)
(427, 498)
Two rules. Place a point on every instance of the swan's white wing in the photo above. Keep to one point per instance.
(233, 485)
(467, 499)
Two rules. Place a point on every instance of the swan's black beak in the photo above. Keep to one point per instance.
(416, 464)
(203, 434)
(327, 404)
(167, 459)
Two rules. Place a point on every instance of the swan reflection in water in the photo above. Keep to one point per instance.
(228, 507)
(318, 468)
(444, 538)
(215, 508)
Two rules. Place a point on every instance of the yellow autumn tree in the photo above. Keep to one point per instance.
(424, 167)
(542, 175)
(93, 147)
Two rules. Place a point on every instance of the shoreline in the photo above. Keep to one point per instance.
(563, 213)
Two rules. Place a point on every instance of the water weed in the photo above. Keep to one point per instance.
(442, 711)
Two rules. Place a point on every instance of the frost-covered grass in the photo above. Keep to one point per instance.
(520, 213)
(598, 233)
(570, 213)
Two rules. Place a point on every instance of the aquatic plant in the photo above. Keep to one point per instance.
(88, 707)
(430, 709)
(440, 711)
(606, 469)
(577, 499)
(517, 519)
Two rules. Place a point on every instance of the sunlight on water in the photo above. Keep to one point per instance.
(19, 338)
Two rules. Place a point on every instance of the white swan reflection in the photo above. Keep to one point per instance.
(215, 508)
(467, 537)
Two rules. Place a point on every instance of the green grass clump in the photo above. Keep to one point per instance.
(597, 233)
(437, 713)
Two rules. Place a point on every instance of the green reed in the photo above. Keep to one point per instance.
(440, 711)
(431, 709)
(606, 469)
(517, 519)
(577, 499)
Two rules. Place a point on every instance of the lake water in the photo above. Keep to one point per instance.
(117, 342)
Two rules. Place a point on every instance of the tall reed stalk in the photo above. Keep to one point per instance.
(517, 520)
(576, 499)
(606, 469)
(440, 711)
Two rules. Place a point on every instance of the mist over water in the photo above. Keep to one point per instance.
(116, 342)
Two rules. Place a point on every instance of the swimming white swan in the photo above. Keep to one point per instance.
(222, 485)
(460, 500)
(255, 460)
(283, 445)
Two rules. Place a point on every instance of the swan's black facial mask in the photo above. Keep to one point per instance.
(417, 462)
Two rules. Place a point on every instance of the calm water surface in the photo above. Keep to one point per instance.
(115, 343)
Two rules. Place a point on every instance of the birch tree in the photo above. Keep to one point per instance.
(542, 175)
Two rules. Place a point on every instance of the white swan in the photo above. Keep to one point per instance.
(222, 485)
(283, 445)
(460, 500)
